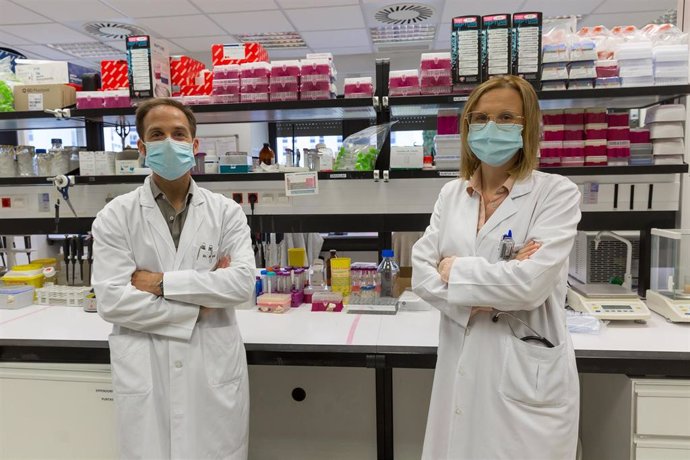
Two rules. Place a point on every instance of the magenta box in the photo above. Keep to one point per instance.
(315, 95)
(315, 68)
(432, 61)
(618, 119)
(595, 133)
(114, 102)
(595, 117)
(607, 71)
(574, 118)
(255, 71)
(90, 102)
(618, 134)
(448, 125)
(285, 70)
(358, 88)
(226, 87)
(640, 136)
(573, 134)
(403, 81)
(226, 72)
(553, 119)
(593, 150)
(441, 80)
(554, 135)
(284, 87)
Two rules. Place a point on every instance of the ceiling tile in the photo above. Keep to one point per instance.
(253, 22)
(174, 48)
(183, 26)
(47, 33)
(293, 53)
(625, 6)
(152, 8)
(202, 43)
(457, 8)
(336, 38)
(225, 6)
(310, 3)
(561, 7)
(117, 44)
(344, 50)
(638, 19)
(14, 14)
(11, 39)
(339, 17)
(72, 10)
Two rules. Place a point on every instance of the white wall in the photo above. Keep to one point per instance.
(252, 136)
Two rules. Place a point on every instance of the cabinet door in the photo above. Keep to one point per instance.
(667, 449)
(662, 407)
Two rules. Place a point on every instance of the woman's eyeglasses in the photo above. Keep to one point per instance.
(504, 120)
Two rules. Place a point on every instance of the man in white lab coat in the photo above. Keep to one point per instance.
(171, 260)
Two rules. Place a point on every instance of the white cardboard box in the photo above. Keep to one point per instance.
(407, 157)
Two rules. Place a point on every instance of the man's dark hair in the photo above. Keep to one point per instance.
(146, 106)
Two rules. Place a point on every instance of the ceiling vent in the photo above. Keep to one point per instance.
(404, 13)
(112, 30)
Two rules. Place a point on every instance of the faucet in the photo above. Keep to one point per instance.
(627, 278)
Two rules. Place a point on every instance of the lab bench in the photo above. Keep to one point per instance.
(358, 384)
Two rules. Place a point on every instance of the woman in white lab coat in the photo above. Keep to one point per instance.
(494, 395)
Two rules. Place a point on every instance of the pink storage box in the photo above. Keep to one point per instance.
(618, 119)
(284, 84)
(254, 85)
(448, 122)
(196, 100)
(595, 148)
(116, 99)
(315, 67)
(573, 133)
(285, 69)
(435, 61)
(254, 97)
(362, 85)
(435, 90)
(255, 70)
(285, 96)
(618, 133)
(327, 301)
(226, 87)
(574, 149)
(437, 77)
(225, 99)
(618, 149)
(226, 72)
(90, 100)
(315, 95)
(553, 117)
(320, 85)
(403, 78)
(274, 303)
(550, 150)
(607, 69)
(595, 116)
(574, 117)
(640, 136)
(596, 131)
(554, 133)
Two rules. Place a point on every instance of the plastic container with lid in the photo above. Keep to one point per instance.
(255, 70)
(254, 97)
(285, 69)
(666, 130)
(274, 303)
(327, 301)
(322, 84)
(315, 67)
(640, 136)
(316, 95)
(573, 133)
(607, 68)
(608, 82)
(554, 132)
(90, 100)
(435, 90)
(255, 85)
(29, 274)
(668, 147)
(116, 99)
(284, 84)
(574, 116)
(358, 87)
(596, 131)
(225, 99)
(435, 61)
(618, 119)
(226, 72)
(13, 297)
(403, 79)
(223, 87)
(670, 112)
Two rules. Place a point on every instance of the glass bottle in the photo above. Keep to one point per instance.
(388, 269)
(266, 155)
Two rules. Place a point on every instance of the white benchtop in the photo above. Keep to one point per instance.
(70, 326)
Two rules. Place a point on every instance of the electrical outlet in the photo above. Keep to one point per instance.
(6, 202)
(237, 197)
(252, 197)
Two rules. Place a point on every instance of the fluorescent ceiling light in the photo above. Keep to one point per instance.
(402, 34)
(273, 40)
(89, 50)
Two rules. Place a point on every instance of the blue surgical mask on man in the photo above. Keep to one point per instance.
(493, 145)
(169, 158)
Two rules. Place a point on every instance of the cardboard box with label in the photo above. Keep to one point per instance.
(42, 97)
(407, 157)
(238, 53)
(148, 62)
(37, 72)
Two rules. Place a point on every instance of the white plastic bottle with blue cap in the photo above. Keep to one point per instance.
(388, 269)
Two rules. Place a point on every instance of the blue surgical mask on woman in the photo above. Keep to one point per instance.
(169, 158)
(493, 145)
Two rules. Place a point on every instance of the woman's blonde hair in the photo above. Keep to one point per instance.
(527, 156)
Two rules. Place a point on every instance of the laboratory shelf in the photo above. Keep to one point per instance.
(357, 175)
(611, 98)
(327, 109)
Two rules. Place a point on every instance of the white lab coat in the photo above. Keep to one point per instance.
(494, 396)
(181, 386)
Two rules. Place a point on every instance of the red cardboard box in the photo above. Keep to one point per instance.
(234, 54)
(114, 75)
(183, 71)
(202, 85)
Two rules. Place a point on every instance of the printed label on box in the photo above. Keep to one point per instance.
(35, 101)
(591, 195)
(301, 184)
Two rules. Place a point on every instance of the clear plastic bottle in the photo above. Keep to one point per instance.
(388, 269)
(43, 163)
(355, 284)
(59, 158)
(25, 160)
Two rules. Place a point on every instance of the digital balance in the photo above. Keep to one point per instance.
(607, 301)
(669, 293)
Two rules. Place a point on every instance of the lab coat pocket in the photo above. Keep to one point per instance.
(535, 375)
(130, 363)
(223, 354)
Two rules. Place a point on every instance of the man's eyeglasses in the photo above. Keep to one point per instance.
(504, 120)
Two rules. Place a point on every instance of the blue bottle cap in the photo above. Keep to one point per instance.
(388, 253)
(263, 272)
